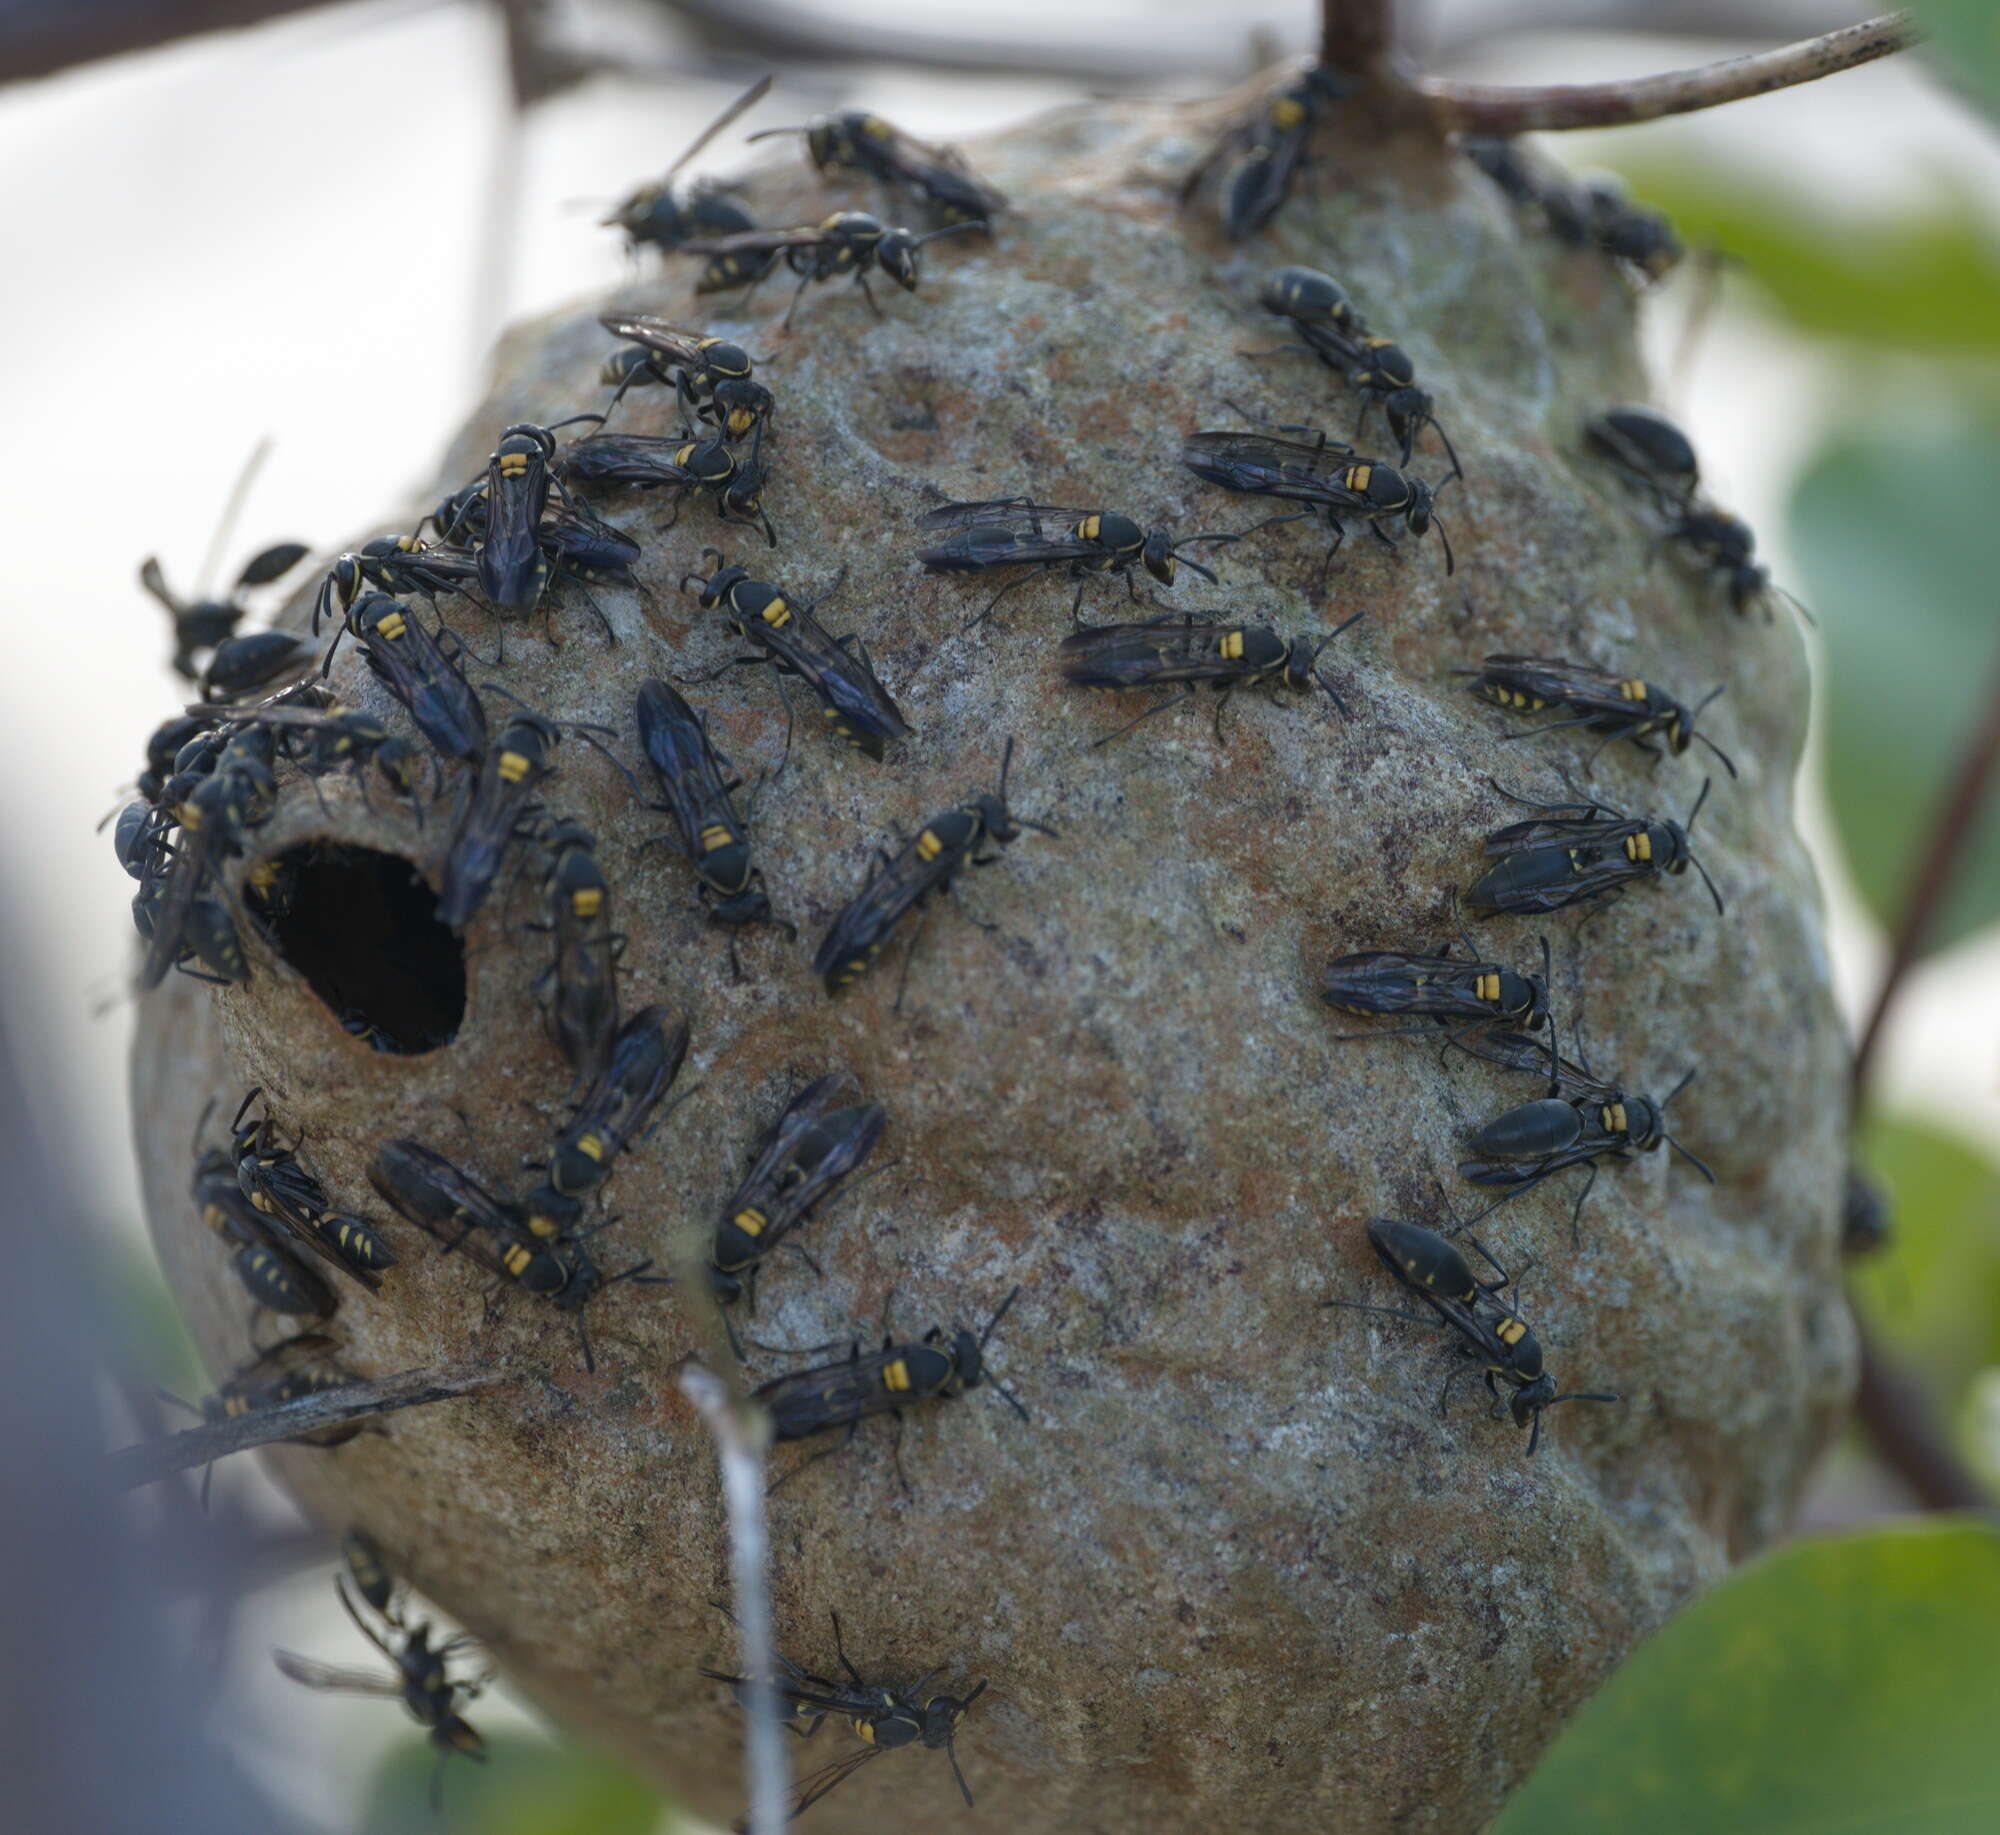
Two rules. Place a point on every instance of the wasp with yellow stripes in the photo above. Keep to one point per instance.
(907, 881)
(1271, 145)
(1568, 853)
(1442, 988)
(1194, 648)
(793, 642)
(699, 786)
(658, 215)
(810, 1149)
(1489, 1326)
(1041, 538)
(1327, 476)
(639, 1069)
(509, 775)
(1619, 707)
(883, 1719)
(854, 140)
(293, 1367)
(417, 669)
(848, 242)
(711, 377)
(269, 1272)
(858, 1386)
(583, 1010)
(278, 1185)
(702, 467)
(394, 564)
(1580, 1121)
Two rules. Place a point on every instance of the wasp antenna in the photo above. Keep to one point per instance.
(951, 1752)
(1678, 1087)
(770, 133)
(610, 758)
(993, 1323)
(571, 420)
(1707, 784)
(1700, 1166)
(242, 1108)
(1006, 1395)
(1457, 470)
(231, 509)
(1450, 565)
(1705, 880)
(950, 229)
(1535, 1432)
(179, 1401)
(1206, 573)
(1581, 1395)
(1006, 762)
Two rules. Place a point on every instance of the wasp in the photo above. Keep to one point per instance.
(1042, 538)
(1329, 478)
(163, 749)
(641, 1066)
(857, 141)
(276, 1182)
(1649, 451)
(704, 466)
(1489, 1327)
(1317, 308)
(394, 564)
(848, 242)
(583, 1013)
(509, 775)
(1577, 1123)
(659, 215)
(907, 881)
(322, 739)
(699, 787)
(1571, 852)
(810, 1149)
(1194, 648)
(1619, 707)
(420, 673)
(1440, 987)
(215, 816)
(1274, 142)
(1866, 1223)
(1725, 545)
(850, 1391)
(252, 662)
(788, 637)
(270, 1274)
(711, 377)
(502, 516)
(368, 1569)
(422, 1681)
(533, 1247)
(293, 1367)
(1635, 234)
(883, 1719)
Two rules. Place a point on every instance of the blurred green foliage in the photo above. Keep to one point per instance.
(1847, 1684)
(1895, 546)
(1964, 46)
(527, 1786)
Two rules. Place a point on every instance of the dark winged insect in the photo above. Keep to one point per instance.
(856, 141)
(698, 784)
(706, 466)
(1619, 707)
(848, 242)
(1316, 307)
(883, 1719)
(794, 642)
(1269, 146)
(1042, 538)
(1635, 234)
(906, 881)
(657, 214)
(810, 1149)
(1449, 991)
(507, 544)
(583, 1011)
(293, 1367)
(1865, 1220)
(643, 1062)
(1571, 852)
(330, 737)
(216, 811)
(1192, 649)
(163, 750)
(857, 1387)
(249, 664)
(1577, 1123)
(368, 1569)
(1648, 451)
(414, 666)
(1326, 476)
(710, 377)
(509, 775)
(1725, 546)
(270, 1274)
(1489, 1327)
(421, 1680)
(533, 1247)
(394, 564)
(1500, 157)
(276, 1182)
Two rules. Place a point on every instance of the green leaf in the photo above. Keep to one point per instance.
(1894, 544)
(1839, 1687)
(1933, 1295)
(527, 1786)
(1964, 46)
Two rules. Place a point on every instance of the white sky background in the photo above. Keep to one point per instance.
(277, 233)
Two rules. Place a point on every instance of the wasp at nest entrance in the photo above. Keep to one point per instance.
(362, 927)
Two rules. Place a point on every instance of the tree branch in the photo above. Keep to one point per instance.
(1353, 34)
(1483, 108)
(1893, 1407)
(151, 1460)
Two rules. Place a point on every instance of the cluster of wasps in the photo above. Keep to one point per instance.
(533, 528)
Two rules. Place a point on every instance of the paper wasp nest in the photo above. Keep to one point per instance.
(1234, 1559)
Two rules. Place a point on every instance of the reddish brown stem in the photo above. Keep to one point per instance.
(1353, 34)
(1897, 1413)
(1481, 108)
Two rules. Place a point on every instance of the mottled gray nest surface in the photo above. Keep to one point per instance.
(1235, 1566)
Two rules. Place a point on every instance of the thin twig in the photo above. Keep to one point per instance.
(1893, 1407)
(1483, 108)
(1952, 830)
(1353, 34)
(151, 1460)
(739, 1449)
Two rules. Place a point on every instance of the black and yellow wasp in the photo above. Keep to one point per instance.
(883, 1719)
(1274, 141)
(1451, 992)
(907, 880)
(856, 141)
(848, 242)
(1618, 706)
(658, 214)
(278, 1185)
(711, 377)
(704, 467)
(1568, 853)
(1194, 648)
(260, 1249)
(1489, 1327)
(1009, 532)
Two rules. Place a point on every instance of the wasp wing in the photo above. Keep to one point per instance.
(335, 1676)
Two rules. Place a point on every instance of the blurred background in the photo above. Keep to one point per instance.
(312, 230)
